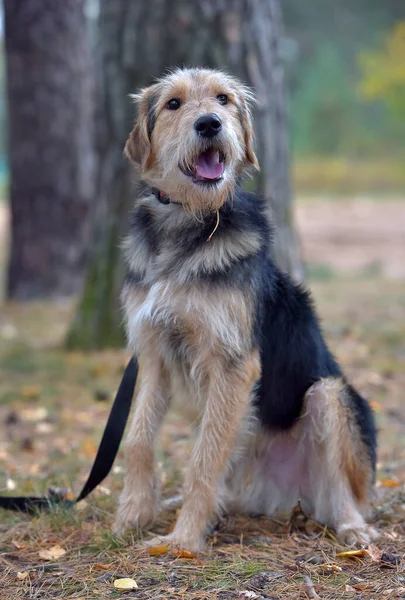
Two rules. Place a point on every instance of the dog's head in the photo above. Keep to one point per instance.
(193, 137)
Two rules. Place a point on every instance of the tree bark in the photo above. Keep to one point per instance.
(139, 41)
(50, 98)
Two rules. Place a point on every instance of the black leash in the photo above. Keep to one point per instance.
(107, 451)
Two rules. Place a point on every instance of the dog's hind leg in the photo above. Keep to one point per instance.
(140, 499)
(340, 459)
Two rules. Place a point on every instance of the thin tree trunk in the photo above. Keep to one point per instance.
(50, 96)
(139, 41)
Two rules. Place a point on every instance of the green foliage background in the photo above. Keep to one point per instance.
(329, 115)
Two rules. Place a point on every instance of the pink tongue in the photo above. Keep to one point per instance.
(208, 166)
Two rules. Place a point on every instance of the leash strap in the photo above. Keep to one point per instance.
(106, 453)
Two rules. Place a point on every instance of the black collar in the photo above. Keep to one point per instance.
(161, 197)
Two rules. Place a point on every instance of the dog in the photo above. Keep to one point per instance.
(215, 323)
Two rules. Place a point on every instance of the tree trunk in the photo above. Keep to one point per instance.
(241, 36)
(50, 98)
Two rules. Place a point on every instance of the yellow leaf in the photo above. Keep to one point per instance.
(88, 448)
(389, 483)
(53, 553)
(30, 391)
(352, 553)
(99, 369)
(21, 575)
(159, 550)
(183, 553)
(126, 583)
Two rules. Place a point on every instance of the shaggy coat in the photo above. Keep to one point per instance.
(215, 323)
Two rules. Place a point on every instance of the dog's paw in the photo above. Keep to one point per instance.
(176, 541)
(135, 511)
(350, 535)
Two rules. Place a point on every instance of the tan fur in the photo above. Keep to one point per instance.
(215, 331)
(227, 403)
(139, 502)
(343, 444)
(194, 341)
(172, 141)
(325, 440)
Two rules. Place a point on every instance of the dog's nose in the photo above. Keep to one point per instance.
(208, 125)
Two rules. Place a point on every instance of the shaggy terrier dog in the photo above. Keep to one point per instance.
(216, 324)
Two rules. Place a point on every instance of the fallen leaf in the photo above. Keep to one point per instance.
(101, 567)
(362, 586)
(11, 484)
(349, 588)
(99, 369)
(376, 406)
(389, 483)
(310, 588)
(332, 568)
(18, 545)
(352, 553)
(183, 553)
(53, 553)
(247, 594)
(374, 553)
(30, 391)
(88, 448)
(21, 575)
(44, 427)
(159, 550)
(39, 413)
(125, 584)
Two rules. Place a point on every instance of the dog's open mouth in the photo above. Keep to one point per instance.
(208, 167)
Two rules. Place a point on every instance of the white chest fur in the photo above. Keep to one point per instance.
(205, 315)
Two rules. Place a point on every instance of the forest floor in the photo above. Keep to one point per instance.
(53, 407)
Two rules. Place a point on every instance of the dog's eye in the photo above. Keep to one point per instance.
(173, 104)
(222, 98)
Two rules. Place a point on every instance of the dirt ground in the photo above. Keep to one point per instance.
(53, 406)
(351, 235)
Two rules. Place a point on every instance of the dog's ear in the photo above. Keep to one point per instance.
(247, 126)
(139, 144)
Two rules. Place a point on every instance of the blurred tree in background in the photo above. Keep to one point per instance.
(140, 40)
(49, 77)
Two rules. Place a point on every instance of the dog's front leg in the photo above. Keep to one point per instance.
(140, 498)
(227, 404)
